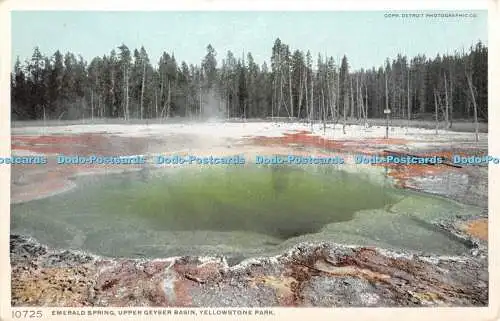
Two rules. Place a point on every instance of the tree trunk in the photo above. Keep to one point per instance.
(283, 102)
(469, 81)
(128, 96)
(92, 104)
(386, 94)
(301, 87)
(337, 97)
(201, 105)
(436, 110)
(366, 105)
(281, 84)
(393, 91)
(331, 82)
(358, 109)
(451, 102)
(142, 87)
(387, 108)
(408, 103)
(125, 95)
(290, 89)
(335, 94)
(228, 106)
(169, 99)
(161, 93)
(112, 92)
(307, 93)
(362, 115)
(346, 101)
(352, 101)
(101, 109)
(156, 103)
(446, 112)
(275, 93)
(311, 117)
(323, 109)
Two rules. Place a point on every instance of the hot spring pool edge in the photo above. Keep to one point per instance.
(283, 245)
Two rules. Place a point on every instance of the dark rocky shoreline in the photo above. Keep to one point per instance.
(321, 275)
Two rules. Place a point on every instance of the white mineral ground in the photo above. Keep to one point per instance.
(237, 130)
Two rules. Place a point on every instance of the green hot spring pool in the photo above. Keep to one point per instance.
(236, 211)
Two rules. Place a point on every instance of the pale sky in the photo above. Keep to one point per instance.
(366, 37)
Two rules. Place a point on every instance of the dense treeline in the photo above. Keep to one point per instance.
(126, 84)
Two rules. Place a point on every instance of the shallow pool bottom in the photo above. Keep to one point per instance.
(236, 211)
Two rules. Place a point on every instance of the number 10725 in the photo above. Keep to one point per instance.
(17, 314)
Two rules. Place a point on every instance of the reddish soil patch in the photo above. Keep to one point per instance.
(401, 173)
(478, 228)
(81, 144)
(304, 138)
(33, 181)
(369, 147)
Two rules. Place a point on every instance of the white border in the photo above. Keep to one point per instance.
(490, 313)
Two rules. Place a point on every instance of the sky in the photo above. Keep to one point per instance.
(366, 37)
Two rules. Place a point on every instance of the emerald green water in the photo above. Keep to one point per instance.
(282, 202)
(234, 211)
